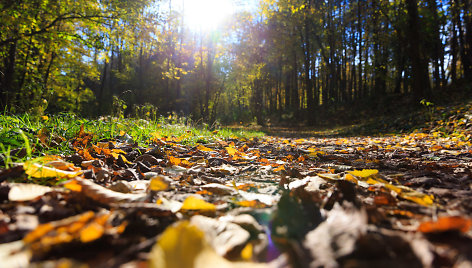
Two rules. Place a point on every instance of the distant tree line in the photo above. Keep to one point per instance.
(290, 60)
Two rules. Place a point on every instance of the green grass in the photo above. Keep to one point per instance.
(19, 132)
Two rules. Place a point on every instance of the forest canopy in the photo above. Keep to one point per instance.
(268, 59)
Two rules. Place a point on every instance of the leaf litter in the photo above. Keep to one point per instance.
(268, 202)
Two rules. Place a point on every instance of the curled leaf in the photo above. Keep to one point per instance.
(51, 166)
(106, 196)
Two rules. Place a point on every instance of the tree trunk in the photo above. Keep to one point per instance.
(419, 66)
(9, 75)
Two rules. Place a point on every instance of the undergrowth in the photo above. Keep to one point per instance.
(25, 136)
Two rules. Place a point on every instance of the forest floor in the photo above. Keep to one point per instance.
(305, 199)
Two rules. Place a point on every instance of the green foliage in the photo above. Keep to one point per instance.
(118, 107)
(20, 136)
(289, 61)
(429, 106)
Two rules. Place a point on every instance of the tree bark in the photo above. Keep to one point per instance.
(419, 66)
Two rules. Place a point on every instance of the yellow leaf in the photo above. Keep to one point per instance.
(158, 183)
(372, 181)
(35, 169)
(39, 232)
(405, 192)
(350, 178)
(365, 173)
(179, 246)
(231, 151)
(174, 160)
(125, 160)
(279, 169)
(246, 253)
(419, 198)
(194, 203)
(328, 176)
(118, 151)
(184, 245)
(186, 163)
(204, 149)
(92, 232)
(251, 204)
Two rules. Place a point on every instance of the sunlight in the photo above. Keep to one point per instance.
(206, 15)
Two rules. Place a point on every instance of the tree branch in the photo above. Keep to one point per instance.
(63, 17)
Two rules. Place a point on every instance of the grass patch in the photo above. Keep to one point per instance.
(24, 136)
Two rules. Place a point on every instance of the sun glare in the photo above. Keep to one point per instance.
(206, 15)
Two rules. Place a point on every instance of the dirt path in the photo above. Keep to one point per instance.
(390, 201)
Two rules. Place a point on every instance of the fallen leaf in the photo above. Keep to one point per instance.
(251, 204)
(246, 253)
(106, 196)
(174, 160)
(194, 203)
(73, 185)
(204, 149)
(158, 183)
(27, 192)
(336, 236)
(231, 151)
(46, 167)
(184, 245)
(365, 173)
(280, 168)
(223, 236)
(219, 189)
(91, 232)
(14, 254)
(444, 224)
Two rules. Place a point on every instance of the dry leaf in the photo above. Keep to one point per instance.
(14, 254)
(27, 191)
(223, 236)
(365, 173)
(444, 224)
(174, 160)
(184, 245)
(204, 149)
(52, 166)
(158, 183)
(336, 236)
(106, 196)
(91, 232)
(194, 203)
(231, 151)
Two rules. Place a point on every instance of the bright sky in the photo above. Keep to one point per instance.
(208, 15)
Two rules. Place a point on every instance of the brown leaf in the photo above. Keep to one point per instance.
(106, 196)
